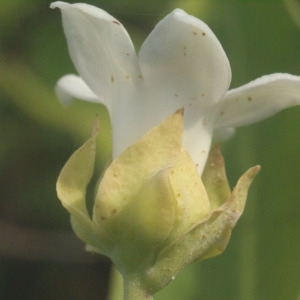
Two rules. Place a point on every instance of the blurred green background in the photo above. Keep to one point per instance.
(39, 256)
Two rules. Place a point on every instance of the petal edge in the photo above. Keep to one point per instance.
(71, 86)
(259, 99)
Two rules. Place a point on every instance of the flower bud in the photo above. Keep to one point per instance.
(153, 214)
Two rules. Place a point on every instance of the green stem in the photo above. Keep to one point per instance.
(133, 289)
(115, 290)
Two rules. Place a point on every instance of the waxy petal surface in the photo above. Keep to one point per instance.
(100, 48)
(259, 100)
(185, 62)
(71, 86)
(184, 65)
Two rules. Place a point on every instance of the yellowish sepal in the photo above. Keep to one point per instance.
(71, 190)
(153, 214)
(214, 178)
(209, 236)
(134, 203)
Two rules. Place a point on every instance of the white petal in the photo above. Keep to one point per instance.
(71, 86)
(183, 59)
(184, 65)
(100, 48)
(223, 133)
(197, 138)
(259, 100)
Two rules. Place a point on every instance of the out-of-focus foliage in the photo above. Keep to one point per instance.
(262, 260)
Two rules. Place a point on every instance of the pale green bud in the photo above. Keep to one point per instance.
(153, 214)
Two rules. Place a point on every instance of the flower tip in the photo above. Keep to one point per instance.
(175, 121)
(179, 11)
(215, 160)
(180, 111)
(252, 172)
(57, 4)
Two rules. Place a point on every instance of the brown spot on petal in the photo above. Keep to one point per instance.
(116, 22)
(203, 34)
(194, 33)
(249, 99)
(114, 211)
(102, 218)
(112, 79)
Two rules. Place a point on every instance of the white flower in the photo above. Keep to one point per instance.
(180, 64)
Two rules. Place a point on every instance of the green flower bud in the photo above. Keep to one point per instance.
(153, 214)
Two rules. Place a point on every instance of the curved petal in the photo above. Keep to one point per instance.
(100, 48)
(258, 100)
(184, 65)
(183, 60)
(71, 86)
(197, 138)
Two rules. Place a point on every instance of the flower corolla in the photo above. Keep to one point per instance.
(164, 201)
(180, 64)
